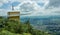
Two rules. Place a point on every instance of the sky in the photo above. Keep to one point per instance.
(31, 7)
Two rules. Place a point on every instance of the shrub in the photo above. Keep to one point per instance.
(5, 32)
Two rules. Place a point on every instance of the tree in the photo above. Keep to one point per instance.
(12, 26)
(28, 26)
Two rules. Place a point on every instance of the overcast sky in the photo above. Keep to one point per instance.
(31, 7)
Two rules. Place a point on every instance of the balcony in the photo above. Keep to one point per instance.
(14, 15)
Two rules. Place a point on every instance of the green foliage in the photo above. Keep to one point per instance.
(5, 32)
(38, 32)
(26, 34)
(8, 27)
(13, 26)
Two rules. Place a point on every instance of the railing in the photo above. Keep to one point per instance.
(14, 15)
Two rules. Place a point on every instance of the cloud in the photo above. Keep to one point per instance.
(3, 12)
(39, 11)
(54, 3)
(11, 1)
(9, 5)
(28, 6)
(35, 7)
(3, 1)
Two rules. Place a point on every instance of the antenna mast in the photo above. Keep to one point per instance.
(12, 7)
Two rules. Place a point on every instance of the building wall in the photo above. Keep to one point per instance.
(13, 13)
(14, 16)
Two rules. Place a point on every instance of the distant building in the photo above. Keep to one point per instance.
(14, 15)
